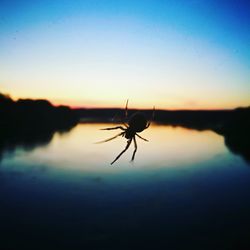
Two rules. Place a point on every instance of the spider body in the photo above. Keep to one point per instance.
(137, 123)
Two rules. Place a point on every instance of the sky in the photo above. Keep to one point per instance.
(169, 54)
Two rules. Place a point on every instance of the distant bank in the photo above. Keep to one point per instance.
(34, 115)
(37, 120)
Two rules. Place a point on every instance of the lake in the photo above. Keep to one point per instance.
(185, 190)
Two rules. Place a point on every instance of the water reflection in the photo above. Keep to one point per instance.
(167, 145)
(239, 145)
(8, 144)
(185, 190)
(173, 146)
(26, 141)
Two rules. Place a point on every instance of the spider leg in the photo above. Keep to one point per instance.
(128, 144)
(125, 124)
(112, 138)
(141, 137)
(152, 118)
(118, 127)
(126, 110)
(120, 119)
(133, 156)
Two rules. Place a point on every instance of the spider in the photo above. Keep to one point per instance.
(137, 123)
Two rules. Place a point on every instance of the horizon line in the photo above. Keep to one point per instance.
(89, 107)
(160, 109)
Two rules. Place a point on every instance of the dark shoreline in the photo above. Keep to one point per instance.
(29, 123)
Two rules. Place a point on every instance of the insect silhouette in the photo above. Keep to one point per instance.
(136, 124)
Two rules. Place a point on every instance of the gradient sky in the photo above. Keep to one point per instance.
(171, 54)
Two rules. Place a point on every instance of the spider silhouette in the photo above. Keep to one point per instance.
(136, 124)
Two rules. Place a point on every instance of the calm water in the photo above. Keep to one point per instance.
(185, 190)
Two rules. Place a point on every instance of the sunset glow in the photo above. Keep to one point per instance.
(171, 54)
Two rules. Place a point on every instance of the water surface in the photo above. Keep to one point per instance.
(185, 189)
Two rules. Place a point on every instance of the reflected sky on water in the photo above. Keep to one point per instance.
(185, 188)
(168, 147)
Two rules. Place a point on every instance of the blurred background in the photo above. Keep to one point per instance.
(66, 71)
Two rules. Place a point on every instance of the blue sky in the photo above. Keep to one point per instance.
(172, 54)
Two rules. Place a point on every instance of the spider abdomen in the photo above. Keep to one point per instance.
(138, 122)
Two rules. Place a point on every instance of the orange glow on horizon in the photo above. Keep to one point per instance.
(74, 105)
(133, 103)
